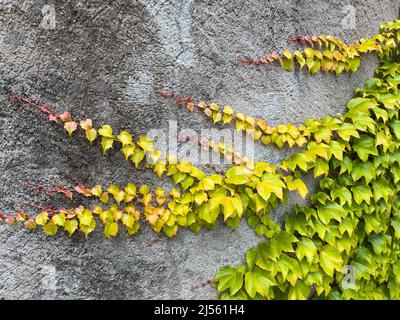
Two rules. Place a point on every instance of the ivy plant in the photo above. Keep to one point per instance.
(351, 220)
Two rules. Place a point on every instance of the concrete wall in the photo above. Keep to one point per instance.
(102, 60)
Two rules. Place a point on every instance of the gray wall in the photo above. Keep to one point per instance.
(102, 61)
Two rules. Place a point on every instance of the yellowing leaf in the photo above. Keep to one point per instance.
(297, 184)
(97, 191)
(42, 218)
(71, 226)
(91, 135)
(106, 143)
(86, 124)
(59, 219)
(70, 127)
(50, 228)
(237, 175)
(106, 131)
(160, 168)
(137, 157)
(125, 138)
(330, 260)
(306, 248)
(128, 220)
(145, 143)
(128, 150)
(111, 229)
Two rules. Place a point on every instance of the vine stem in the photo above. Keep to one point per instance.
(202, 285)
(42, 107)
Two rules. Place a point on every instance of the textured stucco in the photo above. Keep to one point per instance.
(102, 61)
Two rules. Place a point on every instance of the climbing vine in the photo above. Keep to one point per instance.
(352, 220)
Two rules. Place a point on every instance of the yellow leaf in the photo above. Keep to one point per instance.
(106, 131)
(91, 134)
(125, 137)
(297, 184)
(106, 143)
(42, 218)
(97, 191)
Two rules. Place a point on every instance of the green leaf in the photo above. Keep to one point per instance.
(237, 175)
(347, 130)
(297, 160)
(372, 223)
(395, 125)
(117, 193)
(379, 243)
(317, 150)
(187, 182)
(287, 64)
(160, 168)
(380, 114)
(381, 189)
(306, 248)
(395, 223)
(85, 218)
(336, 149)
(363, 169)
(299, 292)
(230, 278)
(330, 211)
(238, 296)
(321, 167)
(130, 189)
(354, 64)
(361, 105)
(346, 165)
(135, 228)
(330, 260)
(283, 241)
(342, 193)
(170, 231)
(258, 281)
(271, 183)
(361, 192)
(365, 146)
(323, 134)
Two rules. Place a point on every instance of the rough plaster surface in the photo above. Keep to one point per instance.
(102, 61)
